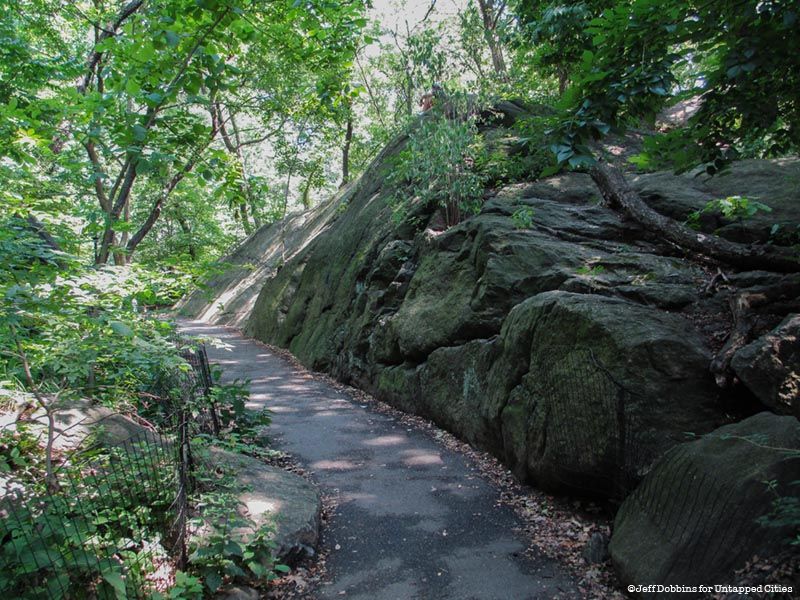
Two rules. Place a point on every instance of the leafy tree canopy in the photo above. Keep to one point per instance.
(639, 55)
(120, 103)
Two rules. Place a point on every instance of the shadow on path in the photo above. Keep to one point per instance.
(415, 520)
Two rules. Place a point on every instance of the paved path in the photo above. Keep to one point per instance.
(415, 520)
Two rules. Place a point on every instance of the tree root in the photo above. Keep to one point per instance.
(619, 194)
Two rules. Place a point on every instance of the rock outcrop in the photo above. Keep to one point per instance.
(770, 367)
(76, 421)
(279, 500)
(576, 349)
(710, 505)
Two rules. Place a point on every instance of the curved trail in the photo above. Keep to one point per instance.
(415, 520)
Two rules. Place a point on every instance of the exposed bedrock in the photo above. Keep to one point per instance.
(577, 349)
(710, 505)
(770, 367)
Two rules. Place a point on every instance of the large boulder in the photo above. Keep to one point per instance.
(77, 420)
(596, 387)
(770, 367)
(709, 506)
(770, 182)
(282, 501)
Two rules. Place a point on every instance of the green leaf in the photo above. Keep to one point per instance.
(139, 133)
(581, 160)
(115, 580)
(121, 328)
(733, 71)
(146, 52)
(155, 97)
(56, 584)
(132, 87)
(213, 580)
(173, 39)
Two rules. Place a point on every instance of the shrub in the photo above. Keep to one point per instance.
(439, 167)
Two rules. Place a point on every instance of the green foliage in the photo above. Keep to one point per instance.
(78, 543)
(533, 138)
(228, 400)
(785, 235)
(591, 270)
(523, 217)
(646, 52)
(114, 516)
(438, 168)
(187, 587)
(227, 545)
(522, 156)
(83, 332)
(735, 208)
(555, 35)
(785, 510)
(20, 453)
(125, 123)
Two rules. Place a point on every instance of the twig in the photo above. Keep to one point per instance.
(47, 407)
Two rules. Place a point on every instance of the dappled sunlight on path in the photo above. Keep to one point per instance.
(414, 519)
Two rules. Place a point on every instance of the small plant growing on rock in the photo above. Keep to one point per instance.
(523, 217)
(591, 271)
(440, 167)
(735, 208)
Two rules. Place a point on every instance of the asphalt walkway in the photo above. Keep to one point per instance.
(415, 520)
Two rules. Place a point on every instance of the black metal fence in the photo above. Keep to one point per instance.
(112, 522)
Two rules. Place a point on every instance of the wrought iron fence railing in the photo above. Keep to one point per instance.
(112, 522)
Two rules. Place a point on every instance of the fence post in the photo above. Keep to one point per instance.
(205, 372)
(185, 483)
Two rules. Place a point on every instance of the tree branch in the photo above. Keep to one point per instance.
(95, 56)
(155, 211)
(618, 193)
(99, 189)
(129, 169)
(47, 407)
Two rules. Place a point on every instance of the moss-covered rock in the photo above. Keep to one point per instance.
(596, 388)
(516, 334)
(708, 506)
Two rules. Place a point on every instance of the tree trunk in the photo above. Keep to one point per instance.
(187, 231)
(106, 242)
(563, 79)
(248, 227)
(489, 17)
(743, 307)
(305, 197)
(127, 178)
(37, 227)
(409, 94)
(618, 193)
(254, 213)
(120, 258)
(348, 139)
(243, 159)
